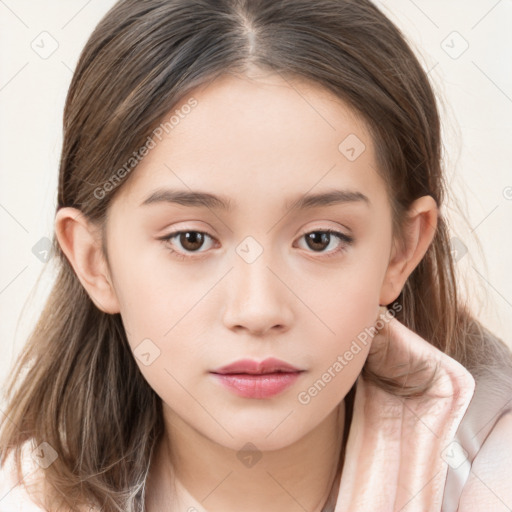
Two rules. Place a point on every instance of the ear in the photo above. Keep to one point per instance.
(420, 228)
(80, 241)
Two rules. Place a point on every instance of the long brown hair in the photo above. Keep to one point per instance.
(83, 393)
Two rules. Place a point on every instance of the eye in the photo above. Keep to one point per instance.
(189, 240)
(192, 241)
(320, 239)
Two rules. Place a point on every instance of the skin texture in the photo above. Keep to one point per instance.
(261, 141)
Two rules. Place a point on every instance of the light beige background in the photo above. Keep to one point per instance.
(475, 88)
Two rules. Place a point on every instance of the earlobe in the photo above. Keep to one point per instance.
(80, 241)
(419, 232)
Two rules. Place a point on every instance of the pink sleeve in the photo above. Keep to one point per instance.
(489, 486)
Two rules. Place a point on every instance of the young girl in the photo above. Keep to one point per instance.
(256, 306)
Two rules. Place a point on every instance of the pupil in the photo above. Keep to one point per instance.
(318, 238)
(191, 240)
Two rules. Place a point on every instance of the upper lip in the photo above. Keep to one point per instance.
(270, 365)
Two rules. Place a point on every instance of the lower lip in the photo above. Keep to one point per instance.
(258, 386)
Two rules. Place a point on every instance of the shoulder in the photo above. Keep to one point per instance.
(13, 493)
(25, 492)
(489, 485)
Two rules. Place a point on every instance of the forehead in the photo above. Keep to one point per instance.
(259, 135)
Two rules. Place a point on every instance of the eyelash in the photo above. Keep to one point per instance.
(345, 239)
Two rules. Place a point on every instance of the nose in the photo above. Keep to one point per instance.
(258, 299)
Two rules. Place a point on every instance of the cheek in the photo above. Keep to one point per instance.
(337, 366)
(348, 298)
(347, 306)
(152, 296)
(163, 316)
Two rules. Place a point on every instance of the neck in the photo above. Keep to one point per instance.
(192, 472)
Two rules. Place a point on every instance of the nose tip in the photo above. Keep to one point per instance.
(257, 300)
(258, 331)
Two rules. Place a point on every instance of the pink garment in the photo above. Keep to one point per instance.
(416, 454)
(408, 455)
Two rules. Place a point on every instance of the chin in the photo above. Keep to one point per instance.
(263, 435)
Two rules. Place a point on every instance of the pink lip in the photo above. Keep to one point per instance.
(270, 365)
(250, 379)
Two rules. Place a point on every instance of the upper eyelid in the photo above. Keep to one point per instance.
(313, 230)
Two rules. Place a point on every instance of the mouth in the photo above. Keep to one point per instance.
(268, 366)
(259, 380)
(255, 373)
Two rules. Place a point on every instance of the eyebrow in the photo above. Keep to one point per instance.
(218, 202)
(328, 198)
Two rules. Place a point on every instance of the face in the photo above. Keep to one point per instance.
(263, 271)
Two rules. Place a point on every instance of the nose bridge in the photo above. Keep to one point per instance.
(257, 297)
